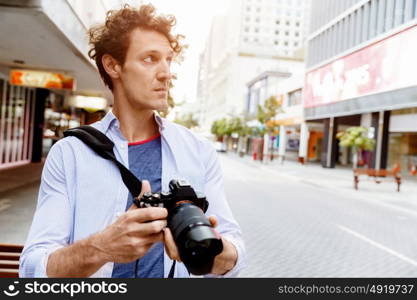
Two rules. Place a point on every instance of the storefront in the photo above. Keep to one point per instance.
(368, 87)
(17, 113)
(24, 99)
(402, 147)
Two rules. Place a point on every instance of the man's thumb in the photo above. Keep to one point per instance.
(146, 187)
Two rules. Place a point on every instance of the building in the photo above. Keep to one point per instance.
(256, 36)
(44, 66)
(361, 70)
(293, 132)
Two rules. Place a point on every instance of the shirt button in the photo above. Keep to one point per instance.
(122, 146)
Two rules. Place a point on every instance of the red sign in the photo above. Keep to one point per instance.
(42, 79)
(387, 65)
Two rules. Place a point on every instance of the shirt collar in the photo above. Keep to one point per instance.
(110, 120)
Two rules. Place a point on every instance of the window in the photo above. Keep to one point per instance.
(294, 98)
(277, 22)
(373, 19)
(380, 22)
(389, 15)
(276, 32)
(287, 33)
(399, 12)
(408, 10)
(365, 22)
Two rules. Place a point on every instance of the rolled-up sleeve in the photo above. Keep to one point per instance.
(219, 207)
(52, 222)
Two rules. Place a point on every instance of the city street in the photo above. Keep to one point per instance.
(294, 229)
(291, 228)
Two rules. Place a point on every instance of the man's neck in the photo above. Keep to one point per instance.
(136, 125)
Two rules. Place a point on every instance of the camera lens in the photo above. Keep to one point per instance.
(197, 242)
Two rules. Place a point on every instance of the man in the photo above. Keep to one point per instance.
(85, 223)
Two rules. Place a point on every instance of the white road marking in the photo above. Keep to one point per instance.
(379, 246)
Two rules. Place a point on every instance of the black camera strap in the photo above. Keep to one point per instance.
(103, 146)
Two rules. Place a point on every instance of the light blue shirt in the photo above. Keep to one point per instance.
(81, 193)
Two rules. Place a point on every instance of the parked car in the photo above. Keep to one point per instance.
(220, 147)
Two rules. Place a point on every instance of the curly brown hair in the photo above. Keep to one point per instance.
(112, 37)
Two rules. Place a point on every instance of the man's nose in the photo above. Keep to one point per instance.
(164, 71)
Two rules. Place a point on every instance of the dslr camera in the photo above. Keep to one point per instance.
(197, 242)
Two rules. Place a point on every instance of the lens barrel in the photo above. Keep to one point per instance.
(197, 241)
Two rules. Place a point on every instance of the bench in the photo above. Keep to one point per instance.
(9, 260)
(377, 174)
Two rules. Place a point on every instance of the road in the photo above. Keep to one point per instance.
(293, 229)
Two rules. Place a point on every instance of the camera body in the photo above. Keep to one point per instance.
(197, 241)
(180, 190)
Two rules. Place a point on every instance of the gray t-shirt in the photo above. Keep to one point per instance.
(145, 161)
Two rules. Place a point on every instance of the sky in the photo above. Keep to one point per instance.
(194, 21)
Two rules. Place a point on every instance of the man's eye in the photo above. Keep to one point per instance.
(149, 59)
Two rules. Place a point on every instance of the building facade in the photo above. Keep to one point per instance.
(361, 71)
(255, 36)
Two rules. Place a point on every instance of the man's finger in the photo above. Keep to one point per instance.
(147, 214)
(170, 246)
(149, 228)
(213, 221)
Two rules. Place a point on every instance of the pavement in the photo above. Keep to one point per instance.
(340, 179)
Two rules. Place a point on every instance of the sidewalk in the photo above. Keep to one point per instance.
(20, 176)
(340, 180)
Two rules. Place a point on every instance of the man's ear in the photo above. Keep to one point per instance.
(111, 66)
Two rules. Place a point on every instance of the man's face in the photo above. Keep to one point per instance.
(145, 74)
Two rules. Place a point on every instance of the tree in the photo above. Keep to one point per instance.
(219, 128)
(267, 112)
(357, 139)
(187, 120)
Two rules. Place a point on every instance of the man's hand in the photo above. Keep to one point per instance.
(126, 240)
(133, 233)
(223, 262)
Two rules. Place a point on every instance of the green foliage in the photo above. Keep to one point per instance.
(356, 137)
(228, 126)
(266, 114)
(187, 120)
(268, 111)
(219, 127)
